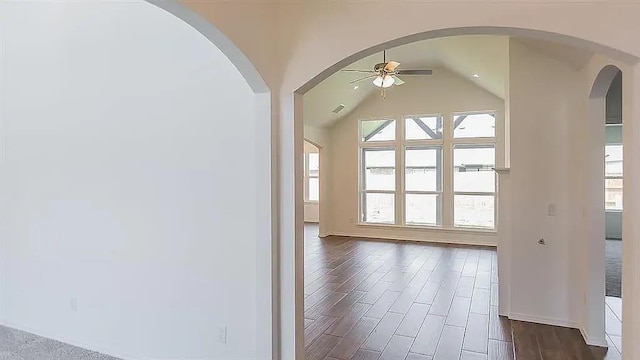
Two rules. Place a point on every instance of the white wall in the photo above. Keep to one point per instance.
(547, 110)
(128, 168)
(443, 93)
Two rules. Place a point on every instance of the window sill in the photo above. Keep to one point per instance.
(462, 230)
(311, 202)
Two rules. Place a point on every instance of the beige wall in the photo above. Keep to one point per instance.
(442, 93)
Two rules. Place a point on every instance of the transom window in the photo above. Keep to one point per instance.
(407, 163)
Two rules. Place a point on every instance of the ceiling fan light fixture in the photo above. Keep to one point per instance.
(383, 82)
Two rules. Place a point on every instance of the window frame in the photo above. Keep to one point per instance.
(422, 144)
(362, 193)
(473, 142)
(445, 217)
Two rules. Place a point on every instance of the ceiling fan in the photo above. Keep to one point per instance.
(385, 74)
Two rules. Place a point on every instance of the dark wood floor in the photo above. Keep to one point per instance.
(541, 342)
(401, 300)
(373, 300)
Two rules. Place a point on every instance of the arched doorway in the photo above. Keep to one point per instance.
(503, 31)
(603, 323)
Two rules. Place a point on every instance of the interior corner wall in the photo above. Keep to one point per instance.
(442, 93)
(129, 163)
(547, 112)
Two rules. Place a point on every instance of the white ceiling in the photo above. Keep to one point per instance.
(485, 55)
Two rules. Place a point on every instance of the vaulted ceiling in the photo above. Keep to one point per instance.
(485, 56)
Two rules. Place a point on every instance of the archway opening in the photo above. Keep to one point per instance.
(605, 270)
(554, 205)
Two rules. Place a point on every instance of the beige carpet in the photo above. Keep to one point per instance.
(19, 345)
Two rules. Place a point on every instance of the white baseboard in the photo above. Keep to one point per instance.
(592, 340)
(545, 320)
(74, 342)
(411, 238)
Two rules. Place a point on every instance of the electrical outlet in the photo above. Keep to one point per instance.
(73, 304)
(351, 220)
(221, 335)
(552, 210)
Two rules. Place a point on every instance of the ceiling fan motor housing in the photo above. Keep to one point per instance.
(379, 67)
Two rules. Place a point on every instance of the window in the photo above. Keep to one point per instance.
(423, 127)
(474, 126)
(423, 185)
(474, 181)
(378, 171)
(379, 182)
(613, 177)
(406, 163)
(311, 176)
(378, 130)
(474, 185)
(422, 161)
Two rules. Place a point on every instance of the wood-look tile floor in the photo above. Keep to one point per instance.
(401, 300)
(542, 342)
(613, 326)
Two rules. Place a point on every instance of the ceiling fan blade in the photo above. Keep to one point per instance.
(359, 71)
(414, 72)
(363, 78)
(397, 80)
(391, 66)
